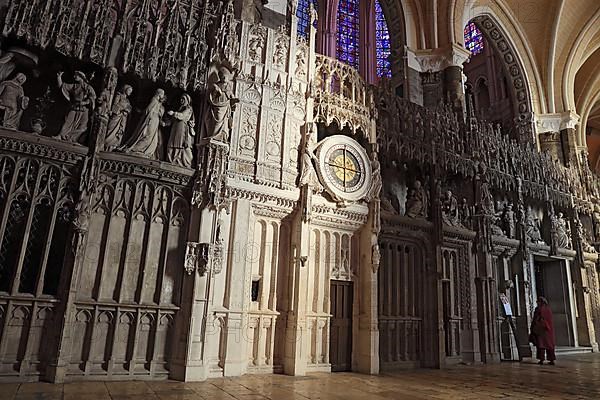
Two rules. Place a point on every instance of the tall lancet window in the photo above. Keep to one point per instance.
(303, 14)
(473, 39)
(382, 43)
(348, 18)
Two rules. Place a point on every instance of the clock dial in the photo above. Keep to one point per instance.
(344, 168)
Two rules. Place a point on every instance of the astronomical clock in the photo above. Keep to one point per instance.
(344, 168)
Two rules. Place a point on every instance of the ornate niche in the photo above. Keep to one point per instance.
(344, 168)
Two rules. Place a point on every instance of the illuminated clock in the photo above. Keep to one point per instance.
(344, 167)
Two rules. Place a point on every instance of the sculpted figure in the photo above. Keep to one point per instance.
(508, 221)
(13, 101)
(221, 102)
(416, 203)
(117, 122)
(7, 65)
(82, 99)
(532, 228)
(450, 215)
(181, 140)
(376, 184)
(485, 200)
(559, 231)
(145, 139)
(388, 205)
(465, 213)
(308, 175)
(497, 220)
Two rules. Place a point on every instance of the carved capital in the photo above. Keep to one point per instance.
(556, 122)
(438, 59)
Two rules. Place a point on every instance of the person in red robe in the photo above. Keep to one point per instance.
(542, 332)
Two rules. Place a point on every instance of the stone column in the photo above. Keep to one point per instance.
(557, 135)
(442, 75)
(297, 340)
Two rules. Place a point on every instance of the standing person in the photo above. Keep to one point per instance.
(542, 331)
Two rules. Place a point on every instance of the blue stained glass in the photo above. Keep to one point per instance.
(382, 43)
(347, 32)
(473, 39)
(303, 14)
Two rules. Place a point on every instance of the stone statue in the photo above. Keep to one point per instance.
(450, 214)
(417, 202)
(13, 101)
(508, 221)
(181, 139)
(465, 213)
(497, 224)
(145, 139)
(221, 102)
(376, 184)
(7, 65)
(308, 175)
(121, 108)
(559, 230)
(82, 99)
(388, 205)
(532, 228)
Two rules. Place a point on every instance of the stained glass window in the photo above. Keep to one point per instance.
(347, 32)
(382, 43)
(473, 39)
(303, 14)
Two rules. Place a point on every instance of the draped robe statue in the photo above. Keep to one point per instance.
(181, 140)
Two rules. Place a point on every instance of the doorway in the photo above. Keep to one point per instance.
(553, 281)
(340, 343)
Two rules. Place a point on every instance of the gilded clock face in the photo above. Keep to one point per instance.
(344, 168)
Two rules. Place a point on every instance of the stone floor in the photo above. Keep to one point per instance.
(574, 377)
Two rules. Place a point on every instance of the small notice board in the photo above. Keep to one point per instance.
(506, 304)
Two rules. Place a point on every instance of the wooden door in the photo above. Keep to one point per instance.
(340, 344)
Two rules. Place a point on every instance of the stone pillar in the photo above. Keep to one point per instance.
(557, 134)
(367, 349)
(442, 74)
(296, 332)
(237, 292)
(485, 284)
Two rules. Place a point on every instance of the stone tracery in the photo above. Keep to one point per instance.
(419, 262)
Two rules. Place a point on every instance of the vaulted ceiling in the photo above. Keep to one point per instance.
(557, 41)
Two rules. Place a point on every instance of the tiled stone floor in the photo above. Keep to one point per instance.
(574, 377)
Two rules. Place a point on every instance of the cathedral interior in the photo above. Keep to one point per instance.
(194, 189)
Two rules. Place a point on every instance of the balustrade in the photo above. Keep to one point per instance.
(341, 96)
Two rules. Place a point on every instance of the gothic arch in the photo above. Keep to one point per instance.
(494, 35)
(506, 29)
(578, 55)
